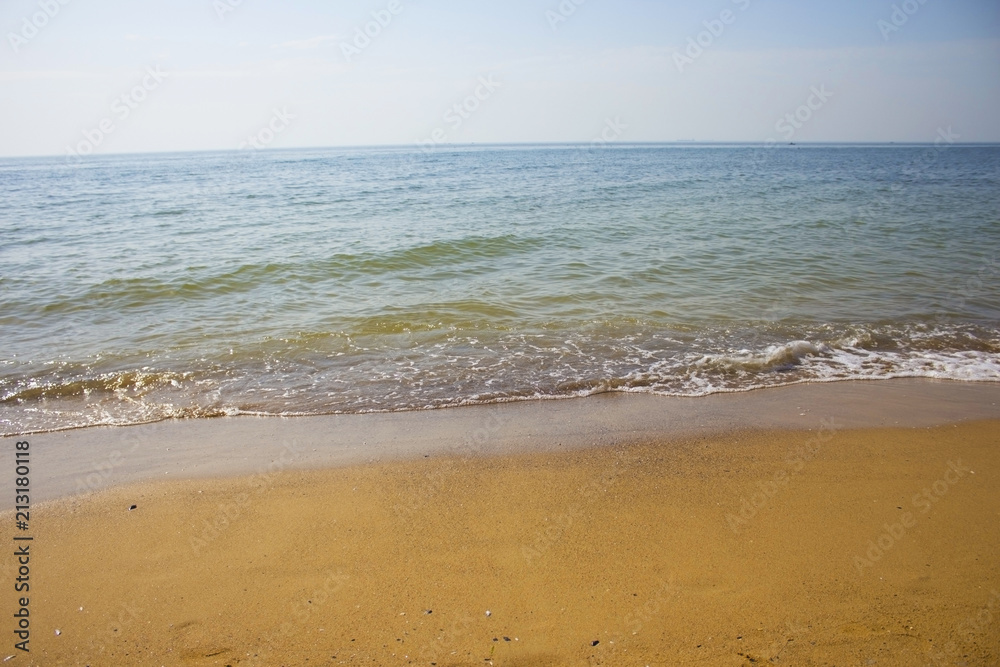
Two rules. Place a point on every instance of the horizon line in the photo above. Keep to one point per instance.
(513, 144)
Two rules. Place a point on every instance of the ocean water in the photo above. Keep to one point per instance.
(137, 288)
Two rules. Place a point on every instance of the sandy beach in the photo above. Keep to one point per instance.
(505, 334)
(832, 545)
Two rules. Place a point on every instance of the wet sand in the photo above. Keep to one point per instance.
(831, 545)
(91, 459)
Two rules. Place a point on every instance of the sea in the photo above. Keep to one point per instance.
(137, 288)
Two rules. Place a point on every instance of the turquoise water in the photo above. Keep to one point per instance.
(135, 288)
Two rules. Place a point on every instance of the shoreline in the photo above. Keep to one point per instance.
(512, 401)
(96, 458)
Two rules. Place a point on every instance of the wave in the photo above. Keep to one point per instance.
(134, 383)
(383, 367)
(773, 357)
(203, 285)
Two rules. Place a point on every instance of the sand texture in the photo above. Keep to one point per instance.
(822, 547)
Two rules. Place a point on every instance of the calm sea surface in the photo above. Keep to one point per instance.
(134, 288)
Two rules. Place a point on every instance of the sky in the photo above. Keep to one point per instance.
(115, 76)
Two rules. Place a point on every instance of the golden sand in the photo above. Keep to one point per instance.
(865, 547)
